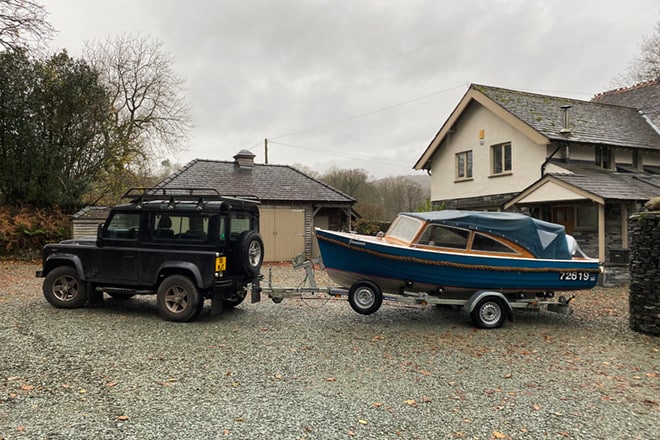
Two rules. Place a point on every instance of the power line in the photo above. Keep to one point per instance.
(396, 163)
(363, 115)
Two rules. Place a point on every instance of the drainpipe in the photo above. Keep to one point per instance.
(543, 165)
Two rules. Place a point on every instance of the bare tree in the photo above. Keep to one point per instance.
(645, 66)
(149, 106)
(22, 24)
(400, 194)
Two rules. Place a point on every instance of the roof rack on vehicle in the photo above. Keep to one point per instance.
(140, 195)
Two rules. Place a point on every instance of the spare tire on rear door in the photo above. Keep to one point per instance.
(250, 252)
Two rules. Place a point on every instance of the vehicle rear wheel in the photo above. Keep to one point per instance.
(178, 299)
(365, 297)
(489, 313)
(63, 288)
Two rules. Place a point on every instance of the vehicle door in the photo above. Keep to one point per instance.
(117, 259)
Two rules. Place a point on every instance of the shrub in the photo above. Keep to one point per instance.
(370, 227)
(24, 230)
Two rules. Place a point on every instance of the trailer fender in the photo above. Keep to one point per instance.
(472, 302)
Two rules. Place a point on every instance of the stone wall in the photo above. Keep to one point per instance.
(645, 272)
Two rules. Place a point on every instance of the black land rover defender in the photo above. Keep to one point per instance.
(185, 245)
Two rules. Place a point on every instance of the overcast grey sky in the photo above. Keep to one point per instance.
(359, 83)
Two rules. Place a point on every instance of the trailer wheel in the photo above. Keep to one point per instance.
(365, 297)
(489, 313)
(178, 299)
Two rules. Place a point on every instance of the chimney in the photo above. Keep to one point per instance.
(244, 159)
(566, 129)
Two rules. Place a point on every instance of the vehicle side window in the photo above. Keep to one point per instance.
(238, 223)
(179, 227)
(123, 225)
(443, 236)
(487, 244)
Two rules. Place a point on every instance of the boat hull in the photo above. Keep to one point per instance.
(350, 258)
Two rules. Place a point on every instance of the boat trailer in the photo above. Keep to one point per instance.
(487, 308)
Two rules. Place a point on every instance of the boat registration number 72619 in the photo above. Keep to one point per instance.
(574, 276)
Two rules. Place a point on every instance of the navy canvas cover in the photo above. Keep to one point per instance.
(543, 239)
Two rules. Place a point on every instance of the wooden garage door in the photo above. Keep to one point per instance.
(283, 232)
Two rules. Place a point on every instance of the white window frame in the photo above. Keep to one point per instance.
(464, 165)
(500, 150)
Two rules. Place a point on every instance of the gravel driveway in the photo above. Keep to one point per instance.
(314, 369)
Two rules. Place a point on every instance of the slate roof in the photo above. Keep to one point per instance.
(644, 96)
(272, 183)
(608, 184)
(589, 121)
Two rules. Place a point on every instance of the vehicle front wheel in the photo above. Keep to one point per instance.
(365, 297)
(63, 288)
(489, 313)
(178, 299)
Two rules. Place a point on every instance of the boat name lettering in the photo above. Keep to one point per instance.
(574, 276)
(358, 243)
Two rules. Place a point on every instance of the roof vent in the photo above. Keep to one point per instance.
(566, 129)
(244, 159)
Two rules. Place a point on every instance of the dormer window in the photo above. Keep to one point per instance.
(604, 157)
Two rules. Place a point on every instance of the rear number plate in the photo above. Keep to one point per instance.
(220, 264)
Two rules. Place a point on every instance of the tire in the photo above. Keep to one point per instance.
(489, 313)
(250, 252)
(63, 288)
(365, 297)
(178, 299)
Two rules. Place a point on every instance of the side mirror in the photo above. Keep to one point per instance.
(99, 233)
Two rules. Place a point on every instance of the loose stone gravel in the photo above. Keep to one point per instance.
(313, 369)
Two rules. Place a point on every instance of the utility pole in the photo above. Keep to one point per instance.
(266, 149)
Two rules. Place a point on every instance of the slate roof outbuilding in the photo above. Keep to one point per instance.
(270, 183)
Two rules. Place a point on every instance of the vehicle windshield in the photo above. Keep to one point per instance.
(404, 228)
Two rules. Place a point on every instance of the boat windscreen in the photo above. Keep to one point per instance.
(404, 228)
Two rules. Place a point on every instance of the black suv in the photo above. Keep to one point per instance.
(185, 245)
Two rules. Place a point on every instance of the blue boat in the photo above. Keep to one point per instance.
(459, 257)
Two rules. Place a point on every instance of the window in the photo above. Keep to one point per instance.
(123, 225)
(464, 165)
(404, 228)
(604, 157)
(501, 158)
(487, 244)
(636, 160)
(180, 227)
(239, 223)
(587, 218)
(443, 236)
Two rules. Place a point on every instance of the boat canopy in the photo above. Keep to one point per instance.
(543, 239)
